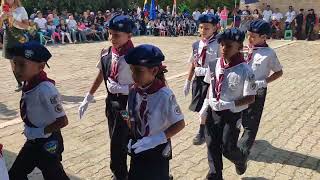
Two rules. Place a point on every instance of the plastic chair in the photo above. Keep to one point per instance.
(288, 35)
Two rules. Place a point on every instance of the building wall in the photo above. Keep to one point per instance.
(284, 4)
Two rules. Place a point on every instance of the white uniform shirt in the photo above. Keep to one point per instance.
(267, 15)
(212, 53)
(43, 105)
(264, 60)
(125, 75)
(163, 110)
(290, 16)
(277, 16)
(196, 15)
(238, 82)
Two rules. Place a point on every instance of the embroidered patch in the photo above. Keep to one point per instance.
(51, 147)
(251, 78)
(177, 110)
(173, 99)
(58, 108)
(28, 53)
(54, 99)
(253, 86)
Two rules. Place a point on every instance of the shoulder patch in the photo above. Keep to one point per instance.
(54, 99)
(58, 108)
(177, 110)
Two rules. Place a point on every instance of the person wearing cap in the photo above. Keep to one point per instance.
(42, 113)
(154, 115)
(232, 89)
(116, 74)
(263, 60)
(203, 51)
(15, 20)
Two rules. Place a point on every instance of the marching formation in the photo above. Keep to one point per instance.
(228, 88)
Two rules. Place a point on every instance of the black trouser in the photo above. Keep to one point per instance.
(299, 32)
(199, 93)
(151, 164)
(42, 153)
(309, 30)
(221, 138)
(118, 133)
(250, 121)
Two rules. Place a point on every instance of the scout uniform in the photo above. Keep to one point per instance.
(262, 60)
(228, 83)
(117, 77)
(152, 110)
(40, 106)
(204, 51)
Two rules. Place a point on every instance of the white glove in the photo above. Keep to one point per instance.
(200, 71)
(149, 142)
(221, 105)
(116, 88)
(261, 84)
(33, 133)
(85, 103)
(203, 112)
(186, 87)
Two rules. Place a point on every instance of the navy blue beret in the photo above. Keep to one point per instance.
(209, 18)
(232, 34)
(33, 51)
(145, 55)
(121, 23)
(260, 27)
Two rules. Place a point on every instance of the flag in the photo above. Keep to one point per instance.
(153, 15)
(174, 8)
(145, 5)
(249, 1)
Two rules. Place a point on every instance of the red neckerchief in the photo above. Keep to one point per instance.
(252, 48)
(143, 112)
(1, 146)
(203, 54)
(36, 80)
(235, 60)
(119, 52)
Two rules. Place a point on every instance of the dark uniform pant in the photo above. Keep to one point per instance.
(42, 153)
(250, 121)
(118, 133)
(309, 30)
(152, 164)
(221, 137)
(199, 93)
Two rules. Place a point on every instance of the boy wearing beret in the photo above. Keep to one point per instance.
(42, 114)
(116, 74)
(263, 60)
(155, 116)
(203, 51)
(232, 89)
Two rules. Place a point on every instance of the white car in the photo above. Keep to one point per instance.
(3, 168)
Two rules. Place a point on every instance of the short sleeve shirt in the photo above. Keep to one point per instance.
(239, 81)
(43, 105)
(263, 62)
(20, 14)
(267, 15)
(162, 110)
(41, 22)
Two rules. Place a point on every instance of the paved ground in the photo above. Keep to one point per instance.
(287, 146)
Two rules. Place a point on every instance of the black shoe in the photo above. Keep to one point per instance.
(199, 139)
(241, 168)
(18, 88)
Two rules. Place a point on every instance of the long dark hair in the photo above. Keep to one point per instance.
(161, 73)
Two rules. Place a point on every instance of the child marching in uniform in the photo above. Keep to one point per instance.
(204, 51)
(263, 60)
(154, 115)
(232, 88)
(116, 74)
(42, 114)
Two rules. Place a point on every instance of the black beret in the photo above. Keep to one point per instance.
(232, 34)
(145, 55)
(209, 18)
(33, 51)
(260, 27)
(121, 23)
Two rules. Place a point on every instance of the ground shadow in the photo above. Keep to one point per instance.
(6, 113)
(10, 157)
(263, 151)
(254, 178)
(72, 99)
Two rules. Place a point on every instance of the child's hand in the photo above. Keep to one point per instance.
(149, 142)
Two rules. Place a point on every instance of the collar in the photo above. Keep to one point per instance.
(123, 50)
(151, 89)
(235, 60)
(35, 81)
